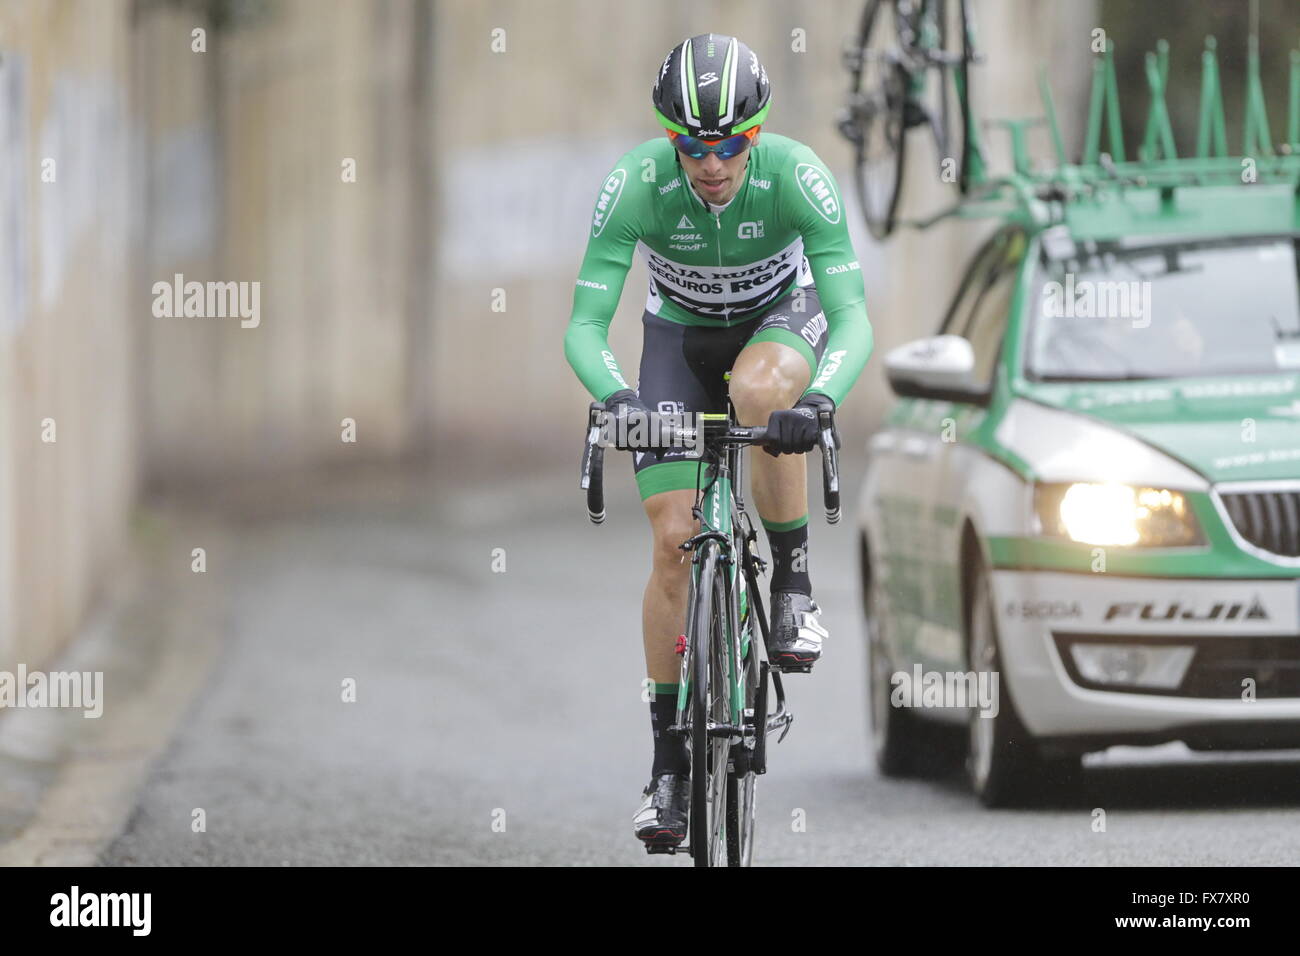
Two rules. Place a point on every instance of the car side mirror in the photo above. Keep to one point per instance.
(940, 367)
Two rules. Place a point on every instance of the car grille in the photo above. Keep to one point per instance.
(1267, 519)
(1218, 667)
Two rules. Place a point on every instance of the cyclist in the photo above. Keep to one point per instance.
(752, 273)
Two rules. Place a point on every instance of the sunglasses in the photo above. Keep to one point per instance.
(725, 148)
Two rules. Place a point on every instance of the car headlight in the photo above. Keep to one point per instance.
(1115, 514)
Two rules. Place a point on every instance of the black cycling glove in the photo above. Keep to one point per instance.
(793, 431)
(623, 401)
(625, 408)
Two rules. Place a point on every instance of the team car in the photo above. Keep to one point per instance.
(1088, 490)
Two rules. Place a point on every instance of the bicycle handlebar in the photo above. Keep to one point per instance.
(592, 479)
(593, 465)
(830, 465)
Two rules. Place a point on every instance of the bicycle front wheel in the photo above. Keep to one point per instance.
(710, 703)
(742, 781)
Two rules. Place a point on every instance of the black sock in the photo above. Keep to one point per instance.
(670, 749)
(789, 543)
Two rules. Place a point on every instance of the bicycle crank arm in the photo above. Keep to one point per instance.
(782, 720)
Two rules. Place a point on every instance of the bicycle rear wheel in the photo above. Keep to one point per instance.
(710, 702)
(876, 123)
(972, 163)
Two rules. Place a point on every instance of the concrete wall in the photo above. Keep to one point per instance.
(266, 122)
(223, 163)
(67, 214)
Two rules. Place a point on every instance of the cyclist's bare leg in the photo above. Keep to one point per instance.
(663, 610)
(769, 376)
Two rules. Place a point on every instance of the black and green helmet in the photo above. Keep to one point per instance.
(711, 86)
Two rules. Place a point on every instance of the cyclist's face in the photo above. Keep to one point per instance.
(717, 180)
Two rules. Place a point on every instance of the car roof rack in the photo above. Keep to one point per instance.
(1043, 197)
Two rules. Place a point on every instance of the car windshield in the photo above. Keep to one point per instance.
(1228, 307)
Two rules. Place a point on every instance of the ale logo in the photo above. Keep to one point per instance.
(609, 194)
(817, 189)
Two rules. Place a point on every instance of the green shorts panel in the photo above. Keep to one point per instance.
(667, 476)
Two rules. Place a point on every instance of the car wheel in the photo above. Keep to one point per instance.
(1003, 763)
(891, 731)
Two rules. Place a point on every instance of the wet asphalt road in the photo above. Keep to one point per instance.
(498, 717)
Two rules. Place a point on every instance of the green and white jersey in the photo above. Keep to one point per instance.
(718, 266)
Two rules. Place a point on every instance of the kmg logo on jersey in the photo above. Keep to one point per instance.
(817, 189)
(609, 194)
(750, 230)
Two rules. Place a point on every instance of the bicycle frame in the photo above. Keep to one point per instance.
(724, 521)
(920, 48)
(719, 512)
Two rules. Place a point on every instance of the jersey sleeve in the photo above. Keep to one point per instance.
(615, 230)
(812, 202)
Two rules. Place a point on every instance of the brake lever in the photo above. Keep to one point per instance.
(828, 438)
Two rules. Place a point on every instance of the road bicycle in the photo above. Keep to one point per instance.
(722, 704)
(898, 44)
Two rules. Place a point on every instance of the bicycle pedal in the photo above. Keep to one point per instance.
(660, 848)
(794, 668)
